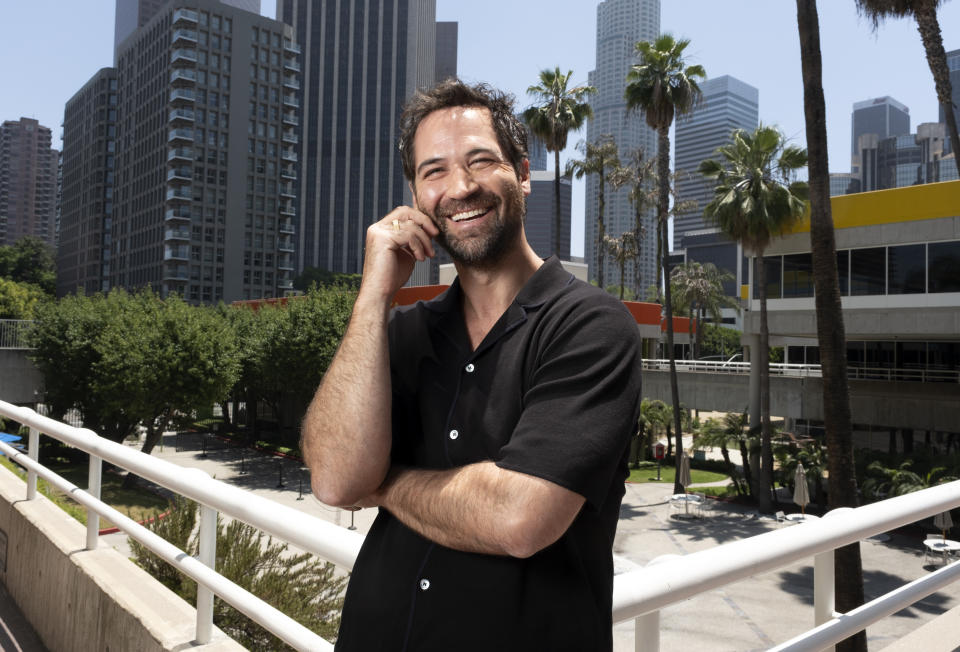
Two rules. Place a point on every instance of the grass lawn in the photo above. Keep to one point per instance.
(139, 504)
(648, 473)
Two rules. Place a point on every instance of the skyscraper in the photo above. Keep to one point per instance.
(620, 25)
(953, 64)
(362, 60)
(728, 104)
(883, 116)
(205, 162)
(89, 164)
(28, 182)
(541, 218)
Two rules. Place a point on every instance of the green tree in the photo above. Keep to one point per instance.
(924, 12)
(831, 333)
(30, 260)
(598, 158)
(558, 110)
(637, 174)
(756, 199)
(299, 585)
(662, 86)
(622, 249)
(717, 433)
(19, 300)
(701, 288)
(322, 277)
(720, 341)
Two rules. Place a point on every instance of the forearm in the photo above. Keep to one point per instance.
(480, 508)
(346, 431)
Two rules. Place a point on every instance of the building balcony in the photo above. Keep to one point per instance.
(185, 16)
(183, 55)
(177, 273)
(289, 81)
(288, 209)
(288, 155)
(180, 134)
(180, 154)
(290, 118)
(285, 244)
(181, 76)
(176, 215)
(180, 174)
(176, 234)
(291, 63)
(285, 226)
(184, 36)
(182, 95)
(179, 194)
(285, 262)
(290, 99)
(290, 137)
(181, 115)
(290, 46)
(288, 172)
(286, 190)
(176, 252)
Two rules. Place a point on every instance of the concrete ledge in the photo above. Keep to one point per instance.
(942, 634)
(80, 599)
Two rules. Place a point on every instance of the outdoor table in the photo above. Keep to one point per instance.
(946, 548)
(800, 518)
(687, 501)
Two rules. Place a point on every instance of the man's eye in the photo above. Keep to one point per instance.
(482, 162)
(431, 172)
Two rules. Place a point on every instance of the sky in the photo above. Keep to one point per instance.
(50, 48)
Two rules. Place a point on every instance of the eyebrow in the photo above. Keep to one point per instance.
(472, 152)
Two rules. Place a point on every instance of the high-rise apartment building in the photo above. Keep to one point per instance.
(204, 196)
(620, 25)
(445, 64)
(89, 166)
(883, 116)
(362, 60)
(28, 182)
(131, 15)
(728, 104)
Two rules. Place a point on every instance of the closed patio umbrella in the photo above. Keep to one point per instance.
(801, 492)
(685, 471)
(943, 522)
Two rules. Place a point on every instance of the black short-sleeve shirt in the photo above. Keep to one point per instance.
(553, 391)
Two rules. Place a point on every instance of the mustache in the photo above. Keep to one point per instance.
(482, 199)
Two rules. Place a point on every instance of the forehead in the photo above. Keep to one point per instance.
(458, 129)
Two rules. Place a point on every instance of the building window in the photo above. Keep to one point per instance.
(867, 271)
(797, 276)
(906, 269)
(945, 266)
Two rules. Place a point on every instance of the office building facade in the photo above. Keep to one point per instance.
(728, 104)
(906, 160)
(620, 25)
(89, 168)
(882, 116)
(953, 64)
(28, 182)
(541, 222)
(206, 163)
(362, 60)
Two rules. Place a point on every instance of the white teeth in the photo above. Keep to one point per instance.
(469, 214)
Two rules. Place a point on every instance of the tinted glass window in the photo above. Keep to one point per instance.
(843, 272)
(797, 276)
(944, 266)
(867, 273)
(907, 269)
(771, 266)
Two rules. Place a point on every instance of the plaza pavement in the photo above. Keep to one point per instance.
(753, 614)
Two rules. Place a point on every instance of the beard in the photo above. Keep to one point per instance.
(485, 249)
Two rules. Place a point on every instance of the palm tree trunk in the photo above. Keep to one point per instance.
(929, 28)
(558, 221)
(623, 264)
(663, 172)
(831, 333)
(601, 233)
(637, 276)
(764, 500)
(747, 472)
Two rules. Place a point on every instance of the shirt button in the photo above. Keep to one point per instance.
(424, 584)
(454, 434)
(470, 368)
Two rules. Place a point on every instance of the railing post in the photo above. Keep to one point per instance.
(823, 588)
(93, 488)
(33, 452)
(646, 632)
(208, 556)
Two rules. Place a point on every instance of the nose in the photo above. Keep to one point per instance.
(462, 183)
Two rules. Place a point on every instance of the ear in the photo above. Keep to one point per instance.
(525, 176)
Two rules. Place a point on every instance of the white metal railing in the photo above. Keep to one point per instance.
(926, 375)
(637, 595)
(312, 534)
(13, 333)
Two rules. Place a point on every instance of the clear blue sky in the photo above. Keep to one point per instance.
(50, 48)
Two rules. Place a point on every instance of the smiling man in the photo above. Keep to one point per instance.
(489, 426)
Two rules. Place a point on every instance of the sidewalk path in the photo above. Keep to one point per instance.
(750, 615)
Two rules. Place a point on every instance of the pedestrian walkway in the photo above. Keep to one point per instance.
(750, 615)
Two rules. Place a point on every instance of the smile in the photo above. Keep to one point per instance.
(469, 215)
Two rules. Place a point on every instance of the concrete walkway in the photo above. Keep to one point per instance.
(750, 615)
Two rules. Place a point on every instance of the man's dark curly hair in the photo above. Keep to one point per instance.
(511, 134)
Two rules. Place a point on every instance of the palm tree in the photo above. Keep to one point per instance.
(597, 158)
(663, 86)
(558, 111)
(622, 249)
(831, 334)
(924, 12)
(754, 200)
(702, 290)
(637, 175)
